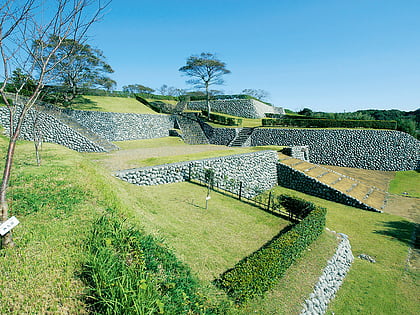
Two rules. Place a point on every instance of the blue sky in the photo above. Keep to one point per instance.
(332, 56)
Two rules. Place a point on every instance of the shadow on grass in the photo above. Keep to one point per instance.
(82, 103)
(400, 230)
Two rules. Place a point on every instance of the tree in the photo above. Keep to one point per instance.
(77, 65)
(26, 30)
(257, 93)
(137, 88)
(205, 70)
(306, 112)
(170, 91)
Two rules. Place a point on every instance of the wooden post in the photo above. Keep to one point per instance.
(189, 172)
(269, 201)
(240, 190)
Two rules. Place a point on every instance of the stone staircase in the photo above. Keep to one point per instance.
(369, 195)
(73, 124)
(192, 133)
(242, 136)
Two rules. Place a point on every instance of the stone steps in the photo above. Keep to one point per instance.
(369, 195)
(241, 137)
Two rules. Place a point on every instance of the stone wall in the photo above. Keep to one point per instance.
(124, 126)
(257, 171)
(386, 150)
(219, 136)
(237, 107)
(51, 130)
(331, 279)
(291, 178)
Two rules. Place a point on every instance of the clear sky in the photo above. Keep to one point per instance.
(328, 55)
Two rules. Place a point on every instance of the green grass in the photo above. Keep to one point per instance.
(381, 288)
(52, 202)
(211, 240)
(187, 157)
(41, 275)
(111, 104)
(150, 143)
(406, 183)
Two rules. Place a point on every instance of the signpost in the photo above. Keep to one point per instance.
(8, 225)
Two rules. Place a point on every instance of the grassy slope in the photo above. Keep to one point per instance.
(50, 240)
(381, 288)
(406, 183)
(38, 276)
(111, 104)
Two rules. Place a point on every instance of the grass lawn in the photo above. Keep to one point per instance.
(389, 286)
(406, 183)
(54, 204)
(58, 202)
(211, 240)
(111, 104)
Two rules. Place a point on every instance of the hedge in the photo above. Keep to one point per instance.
(330, 123)
(222, 119)
(260, 271)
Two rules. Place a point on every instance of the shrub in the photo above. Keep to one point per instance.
(222, 119)
(330, 123)
(257, 273)
(129, 272)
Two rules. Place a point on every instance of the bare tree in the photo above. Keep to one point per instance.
(26, 27)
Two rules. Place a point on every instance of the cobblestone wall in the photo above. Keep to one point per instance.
(50, 130)
(257, 172)
(219, 136)
(237, 107)
(124, 126)
(386, 150)
(331, 279)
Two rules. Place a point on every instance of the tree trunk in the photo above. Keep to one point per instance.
(7, 240)
(208, 100)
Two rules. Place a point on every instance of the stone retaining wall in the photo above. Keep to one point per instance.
(257, 172)
(124, 126)
(219, 136)
(237, 107)
(51, 130)
(331, 279)
(291, 178)
(385, 150)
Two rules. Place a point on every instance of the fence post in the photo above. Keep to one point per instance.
(240, 190)
(189, 172)
(269, 201)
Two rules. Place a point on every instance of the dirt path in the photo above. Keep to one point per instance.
(125, 159)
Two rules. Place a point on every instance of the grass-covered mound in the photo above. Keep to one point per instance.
(111, 104)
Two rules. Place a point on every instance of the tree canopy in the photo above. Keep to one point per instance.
(137, 88)
(78, 65)
(205, 70)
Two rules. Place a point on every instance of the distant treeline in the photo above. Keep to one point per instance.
(408, 122)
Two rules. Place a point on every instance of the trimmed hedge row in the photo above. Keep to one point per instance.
(260, 271)
(328, 123)
(222, 119)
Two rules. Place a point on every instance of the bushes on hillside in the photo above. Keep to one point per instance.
(257, 273)
(129, 272)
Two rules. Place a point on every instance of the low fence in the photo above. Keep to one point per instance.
(239, 190)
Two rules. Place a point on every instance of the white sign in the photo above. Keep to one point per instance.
(8, 225)
(208, 198)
